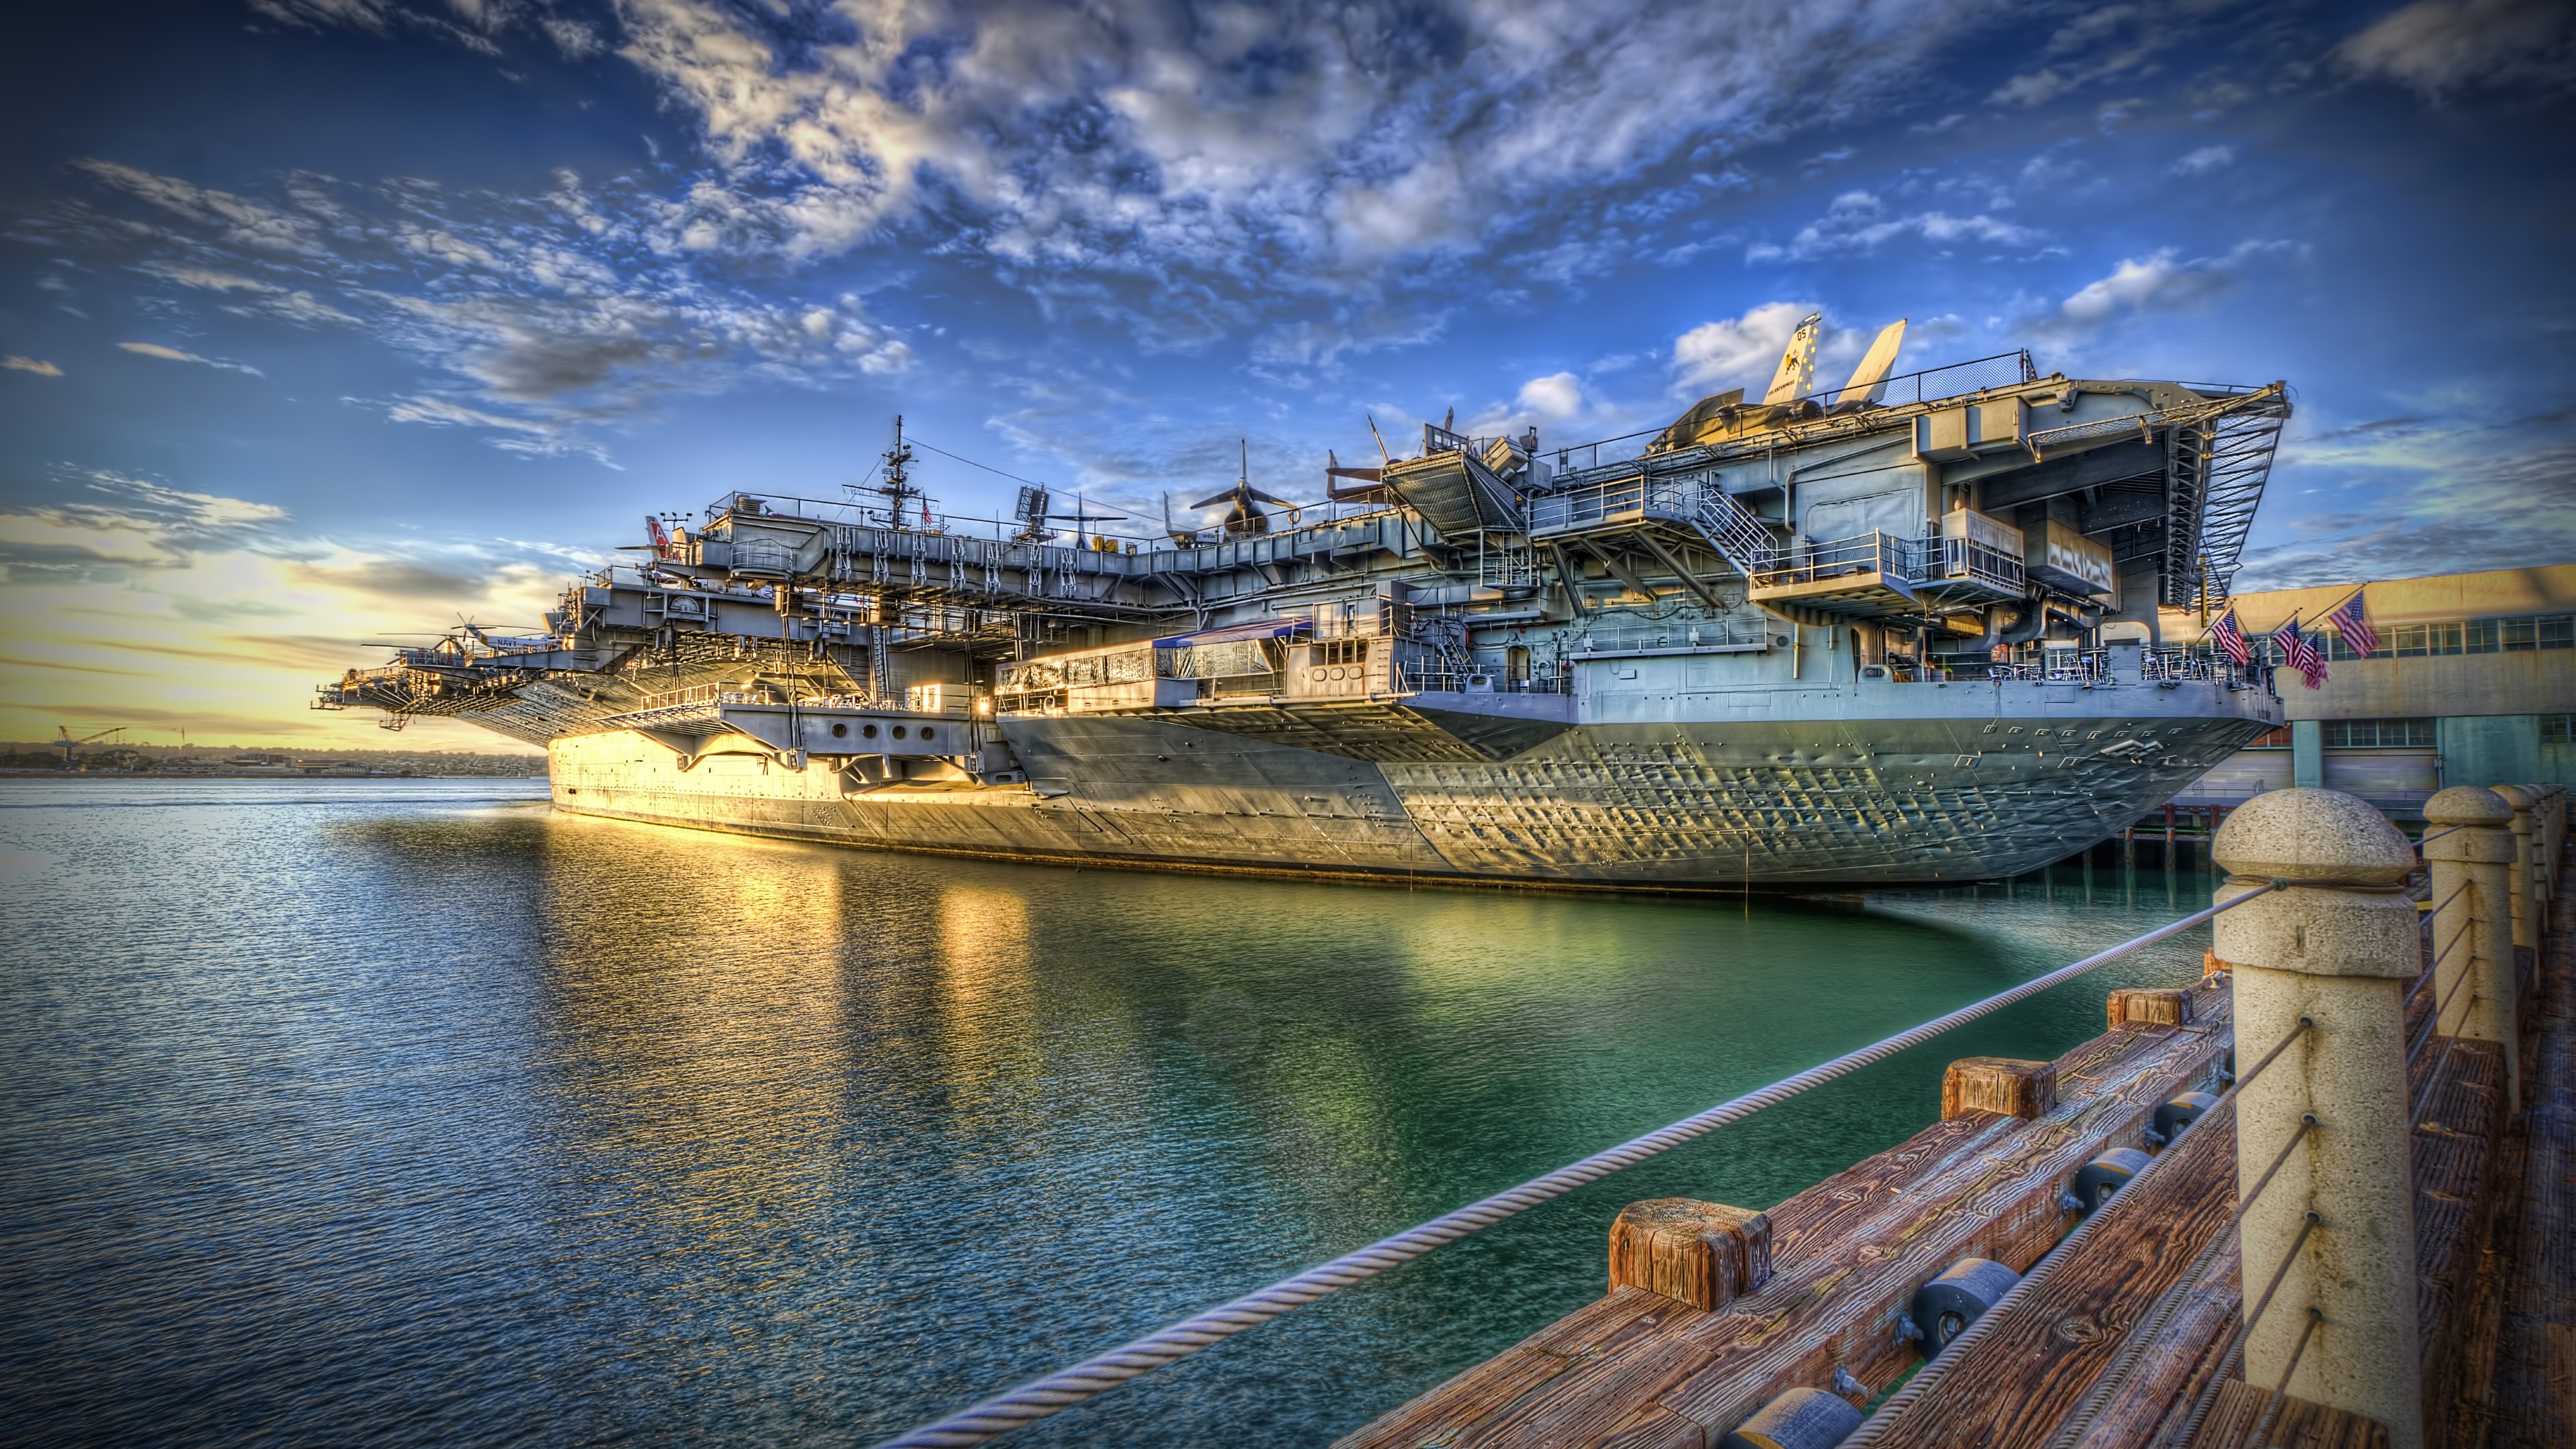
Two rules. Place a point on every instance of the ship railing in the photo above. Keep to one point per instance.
(1954, 379)
(2061, 666)
(1704, 634)
(1875, 552)
(1621, 500)
(2158, 665)
(1965, 558)
(1453, 681)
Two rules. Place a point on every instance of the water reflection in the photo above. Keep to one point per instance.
(439, 1117)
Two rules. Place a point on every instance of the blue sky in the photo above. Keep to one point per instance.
(323, 319)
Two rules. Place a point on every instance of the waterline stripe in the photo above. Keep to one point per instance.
(1062, 1390)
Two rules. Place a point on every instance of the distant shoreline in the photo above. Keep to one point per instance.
(7, 773)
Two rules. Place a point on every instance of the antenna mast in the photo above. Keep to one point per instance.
(897, 487)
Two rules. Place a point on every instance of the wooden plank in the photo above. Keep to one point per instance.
(2535, 1388)
(2460, 1391)
(2453, 1144)
(2296, 1424)
(2172, 1366)
(1600, 1327)
(1842, 1286)
(1588, 1404)
(2021, 1383)
(1847, 1254)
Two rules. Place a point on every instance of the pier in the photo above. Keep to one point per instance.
(2317, 1198)
(2398, 1216)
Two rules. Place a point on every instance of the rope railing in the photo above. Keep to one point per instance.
(2433, 1023)
(2245, 1204)
(2308, 1225)
(2425, 982)
(1093, 1377)
(2272, 1405)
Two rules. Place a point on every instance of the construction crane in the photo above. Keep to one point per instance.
(64, 742)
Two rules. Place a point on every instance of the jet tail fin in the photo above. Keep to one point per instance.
(1869, 380)
(1797, 374)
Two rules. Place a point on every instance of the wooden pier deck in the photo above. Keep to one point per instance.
(2133, 1340)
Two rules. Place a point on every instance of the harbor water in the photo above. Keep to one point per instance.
(410, 1112)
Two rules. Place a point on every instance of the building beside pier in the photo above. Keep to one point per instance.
(2473, 679)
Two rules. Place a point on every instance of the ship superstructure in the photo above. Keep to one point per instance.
(1901, 630)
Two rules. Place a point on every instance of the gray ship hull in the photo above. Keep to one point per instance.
(1836, 797)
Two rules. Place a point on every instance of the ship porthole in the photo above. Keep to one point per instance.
(1337, 674)
(868, 731)
(926, 732)
(1318, 676)
(840, 731)
(898, 732)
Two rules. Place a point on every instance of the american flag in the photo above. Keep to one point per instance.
(2352, 625)
(2230, 638)
(2300, 652)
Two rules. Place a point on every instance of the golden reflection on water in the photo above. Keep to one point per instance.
(694, 998)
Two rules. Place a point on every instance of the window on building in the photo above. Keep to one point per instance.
(2278, 739)
(2556, 631)
(2558, 729)
(2337, 649)
(2483, 636)
(2421, 639)
(2377, 734)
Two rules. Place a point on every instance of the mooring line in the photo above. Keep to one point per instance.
(1065, 1388)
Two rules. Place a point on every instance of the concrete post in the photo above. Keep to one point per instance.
(2337, 948)
(2525, 863)
(2307, 753)
(2468, 848)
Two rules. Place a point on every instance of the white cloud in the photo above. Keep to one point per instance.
(38, 366)
(2438, 47)
(2205, 160)
(1279, 140)
(550, 316)
(1556, 398)
(173, 354)
(235, 220)
(116, 521)
(2161, 281)
(1858, 222)
(130, 599)
(1732, 351)
(2417, 495)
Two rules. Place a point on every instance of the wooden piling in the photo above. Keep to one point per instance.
(2142, 1006)
(2006, 1086)
(1705, 1254)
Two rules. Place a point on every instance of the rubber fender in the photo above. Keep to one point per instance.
(2181, 1112)
(2097, 1180)
(1798, 1419)
(1960, 1296)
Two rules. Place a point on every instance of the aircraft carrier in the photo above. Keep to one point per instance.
(1903, 630)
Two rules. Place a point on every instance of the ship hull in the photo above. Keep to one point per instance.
(1809, 803)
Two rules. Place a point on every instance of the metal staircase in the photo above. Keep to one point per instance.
(1730, 528)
